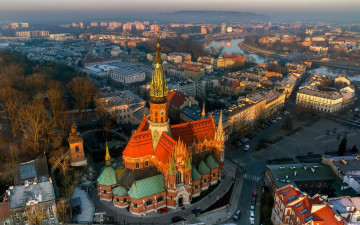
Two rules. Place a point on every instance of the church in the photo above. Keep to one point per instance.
(164, 165)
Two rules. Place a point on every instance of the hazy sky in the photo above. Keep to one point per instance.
(26, 8)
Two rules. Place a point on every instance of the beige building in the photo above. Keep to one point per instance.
(275, 101)
(246, 113)
(319, 100)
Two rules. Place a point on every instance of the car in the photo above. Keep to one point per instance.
(253, 133)
(273, 121)
(253, 201)
(249, 136)
(252, 220)
(247, 139)
(196, 210)
(252, 214)
(254, 194)
(237, 214)
(252, 208)
(246, 147)
(163, 210)
(278, 118)
(176, 219)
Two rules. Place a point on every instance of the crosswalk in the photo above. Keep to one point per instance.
(252, 177)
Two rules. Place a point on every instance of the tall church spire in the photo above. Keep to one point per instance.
(219, 134)
(158, 87)
(203, 111)
(107, 155)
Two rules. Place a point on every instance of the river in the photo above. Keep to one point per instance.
(231, 47)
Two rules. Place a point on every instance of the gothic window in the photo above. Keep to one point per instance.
(196, 186)
(117, 200)
(156, 114)
(214, 174)
(124, 200)
(205, 180)
(146, 163)
(104, 192)
(149, 202)
(178, 177)
(77, 148)
(162, 120)
(160, 199)
(137, 165)
(135, 205)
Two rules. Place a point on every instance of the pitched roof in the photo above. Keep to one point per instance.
(211, 162)
(140, 145)
(195, 175)
(164, 148)
(119, 191)
(107, 177)
(129, 176)
(203, 168)
(176, 97)
(144, 125)
(147, 187)
(197, 130)
(326, 216)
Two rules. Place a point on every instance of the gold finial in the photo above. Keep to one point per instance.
(107, 155)
(203, 110)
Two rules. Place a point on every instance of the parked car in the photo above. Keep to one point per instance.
(176, 219)
(163, 210)
(237, 214)
(254, 193)
(253, 201)
(252, 208)
(252, 214)
(278, 118)
(253, 133)
(273, 121)
(196, 210)
(252, 220)
(246, 147)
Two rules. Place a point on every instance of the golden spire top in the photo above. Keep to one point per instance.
(203, 111)
(158, 87)
(219, 135)
(107, 155)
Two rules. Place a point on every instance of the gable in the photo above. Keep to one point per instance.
(140, 145)
(164, 148)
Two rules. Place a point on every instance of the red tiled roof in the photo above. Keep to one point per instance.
(326, 216)
(4, 211)
(197, 130)
(164, 148)
(235, 84)
(176, 97)
(235, 57)
(140, 145)
(286, 193)
(193, 68)
(144, 125)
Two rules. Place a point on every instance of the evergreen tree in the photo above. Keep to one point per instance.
(354, 149)
(342, 146)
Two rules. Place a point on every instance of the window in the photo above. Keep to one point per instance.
(124, 200)
(117, 200)
(205, 180)
(135, 205)
(137, 165)
(214, 174)
(160, 198)
(178, 177)
(104, 192)
(147, 163)
(149, 202)
(77, 148)
(196, 186)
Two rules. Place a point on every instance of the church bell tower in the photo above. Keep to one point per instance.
(159, 121)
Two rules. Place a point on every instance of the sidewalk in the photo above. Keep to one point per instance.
(223, 214)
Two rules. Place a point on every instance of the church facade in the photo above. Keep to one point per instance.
(164, 165)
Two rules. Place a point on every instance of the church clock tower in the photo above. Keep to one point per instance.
(159, 121)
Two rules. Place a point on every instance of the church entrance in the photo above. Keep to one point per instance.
(180, 202)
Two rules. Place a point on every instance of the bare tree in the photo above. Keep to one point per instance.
(83, 91)
(36, 84)
(62, 208)
(55, 93)
(34, 123)
(35, 215)
(11, 99)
